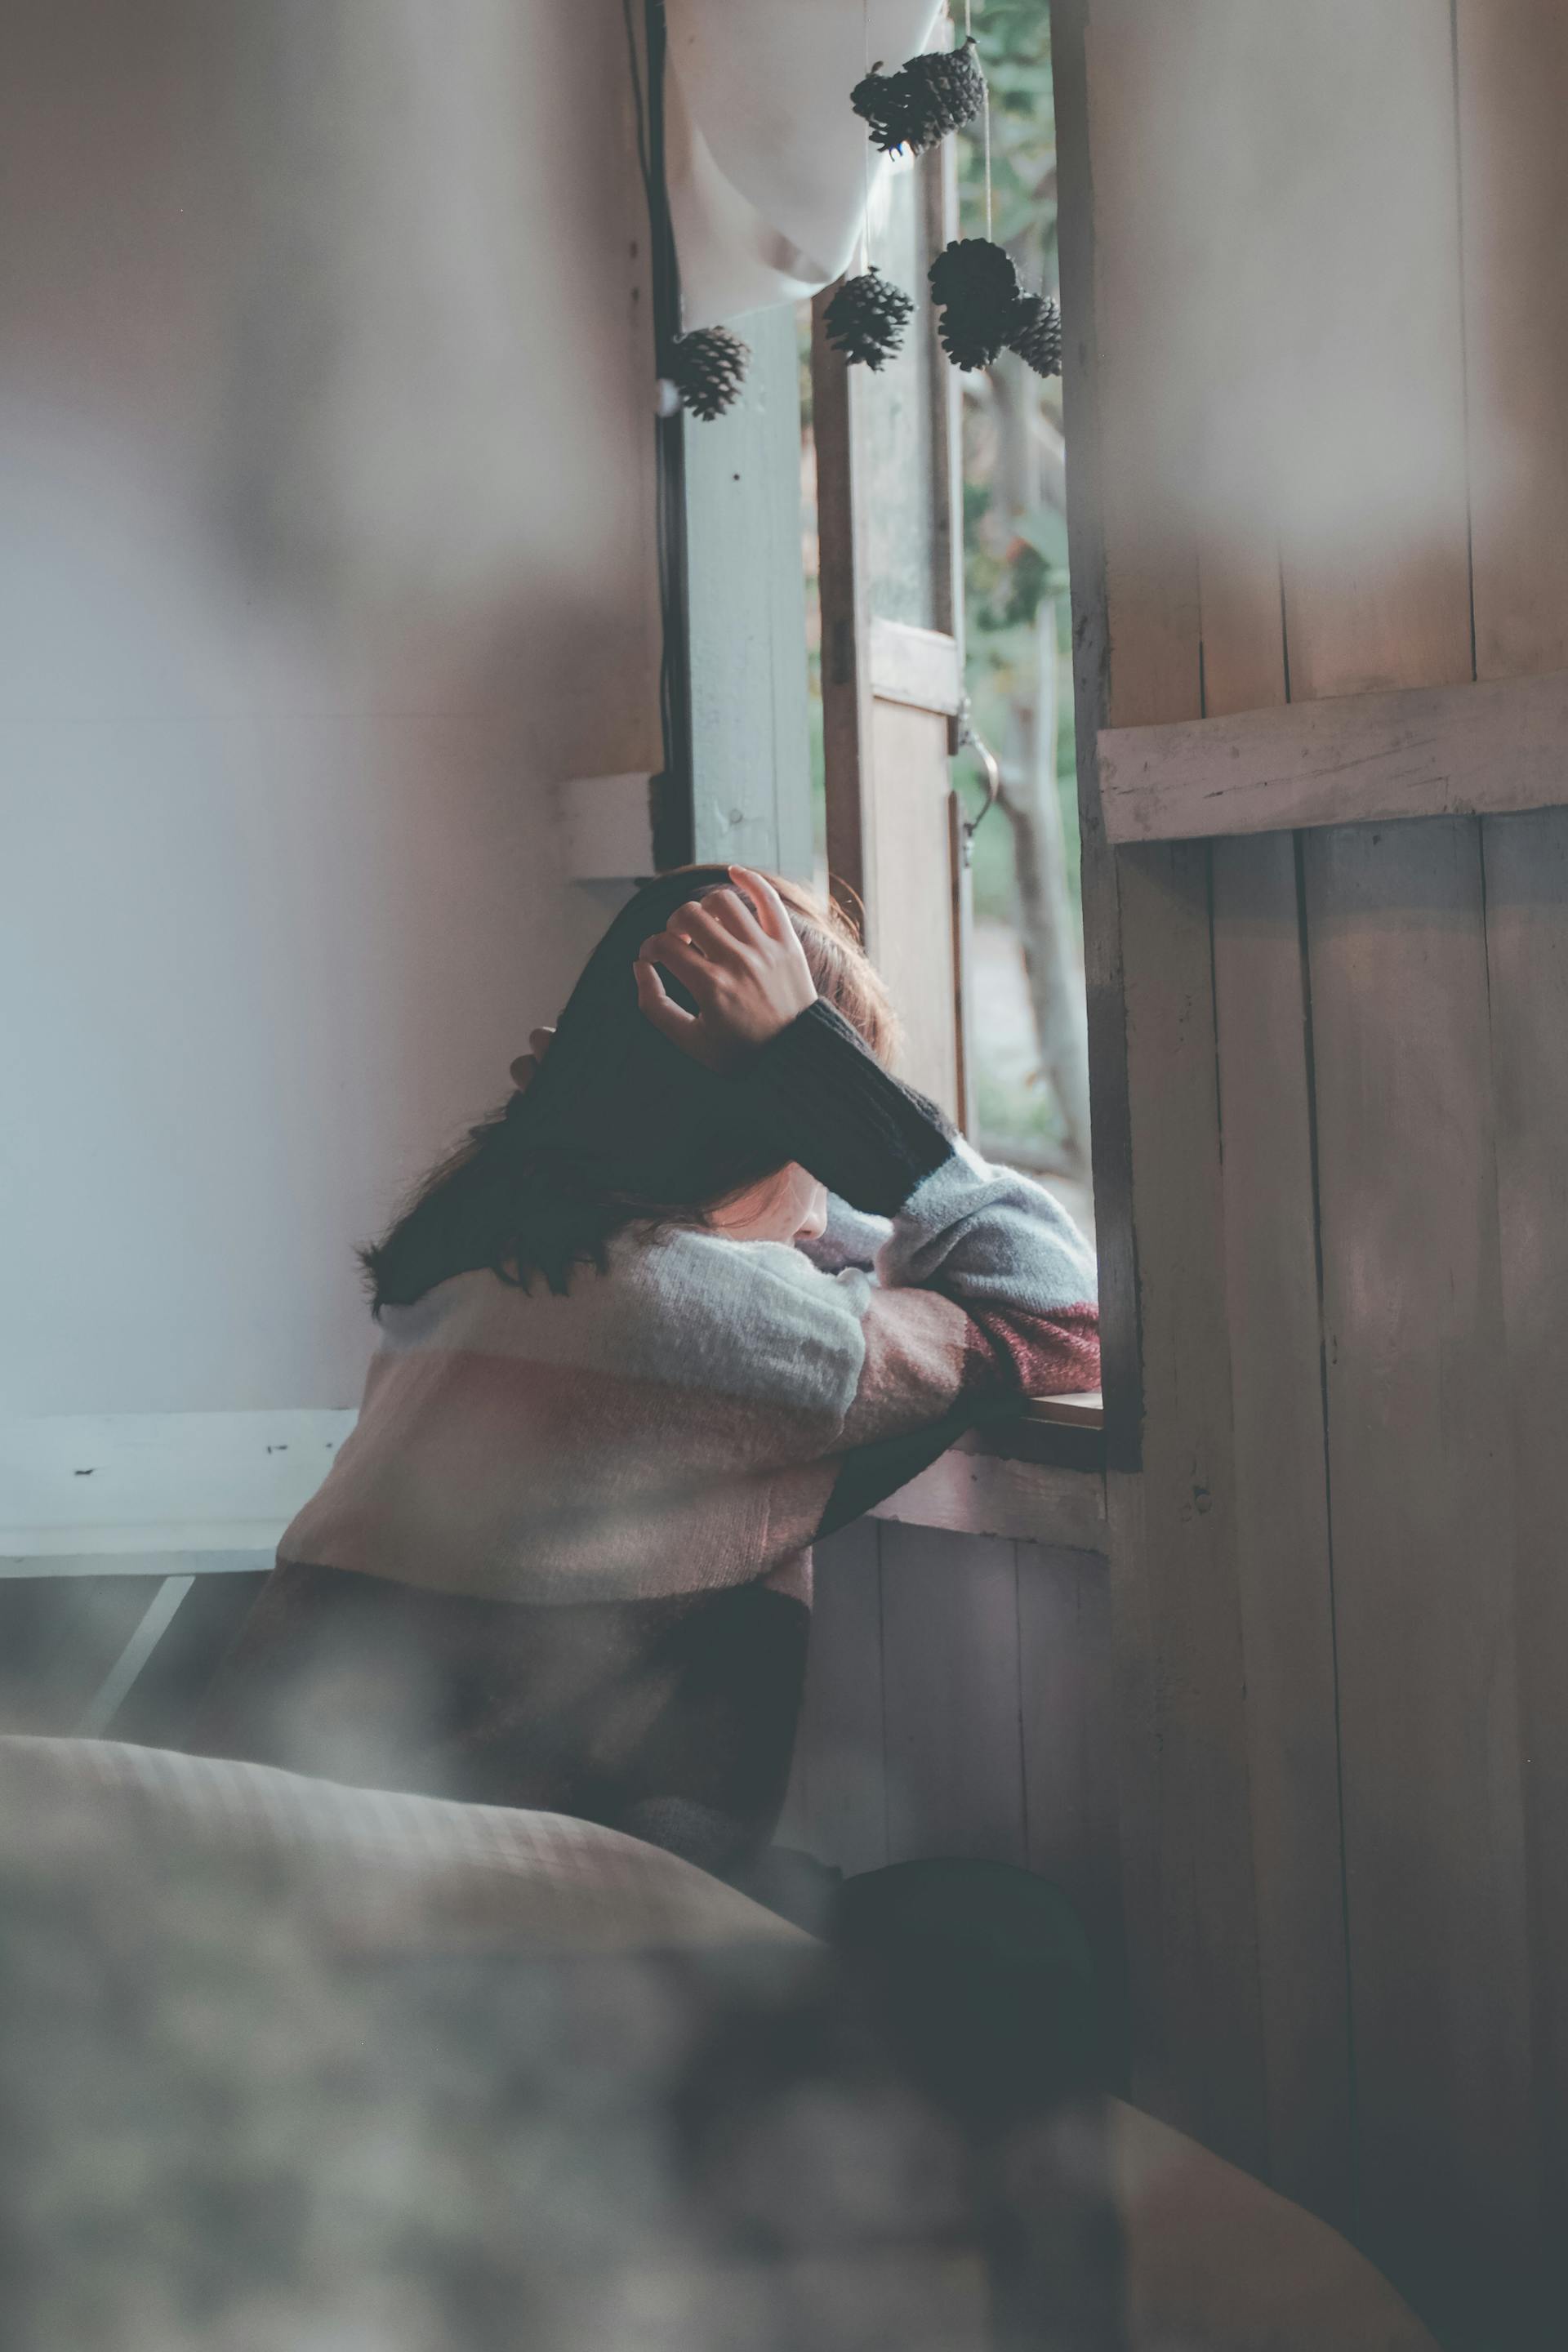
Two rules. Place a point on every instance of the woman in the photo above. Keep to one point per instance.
(632, 1360)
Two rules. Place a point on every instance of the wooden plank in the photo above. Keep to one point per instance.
(80, 1483)
(950, 1635)
(1068, 1689)
(916, 666)
(1281, 1498)
(1178, 1537)
(836, 1805)
(1422, 1537)
(1282, 1505)
(1513, 89)
(1420, 1493)
(908, 894)
(846, 620)
(1080, 1408)
(745, 593)
(983, 1494)
(1185, 1841)
(1453, 750)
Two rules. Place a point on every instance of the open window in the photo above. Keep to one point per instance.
(947, 820)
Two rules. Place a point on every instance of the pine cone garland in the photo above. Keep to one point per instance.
(975, 287)
(1038, 339)
(880, 101)
(867, 318)
(927, 97)
(708, 368)
(943, 90)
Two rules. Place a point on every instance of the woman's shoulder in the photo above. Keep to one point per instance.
(666, 1305)
(686, 1272)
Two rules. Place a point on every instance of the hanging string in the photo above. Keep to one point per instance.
(865, 145)
(984, 114)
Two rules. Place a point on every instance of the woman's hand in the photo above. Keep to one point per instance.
(742, 962)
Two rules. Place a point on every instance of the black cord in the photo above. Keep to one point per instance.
(673, 794)
(633, 60)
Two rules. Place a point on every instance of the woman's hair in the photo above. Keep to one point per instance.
(618, 1124)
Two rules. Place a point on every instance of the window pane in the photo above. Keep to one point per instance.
(899, 409)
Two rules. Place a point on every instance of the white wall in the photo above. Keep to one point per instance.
(325, 549)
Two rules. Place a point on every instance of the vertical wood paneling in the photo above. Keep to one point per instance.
(1187, 1843)
(1066, 1689)
(954, 1754)
(1423, 1550)
(1286, 1596)
(1418, 1460)
(1513, 90)
(1323, 1476)
(836, 1805)
(1273, 1313)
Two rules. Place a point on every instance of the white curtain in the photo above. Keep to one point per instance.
(765, 158)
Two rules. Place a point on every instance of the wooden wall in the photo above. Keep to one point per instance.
(1318, 421)
(958, 1703)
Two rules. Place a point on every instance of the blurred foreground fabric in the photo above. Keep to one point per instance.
(288, 2066)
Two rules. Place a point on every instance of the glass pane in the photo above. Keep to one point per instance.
(1025, 986)
(899, 411)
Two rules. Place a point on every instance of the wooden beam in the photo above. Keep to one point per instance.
(745, 617)
(987, 1495)
(1493, 748)
(916, 665)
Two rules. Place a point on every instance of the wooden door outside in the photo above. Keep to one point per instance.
(892, 662)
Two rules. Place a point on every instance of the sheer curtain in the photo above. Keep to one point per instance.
(766, 160)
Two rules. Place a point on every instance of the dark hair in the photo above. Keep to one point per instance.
(618, 1124)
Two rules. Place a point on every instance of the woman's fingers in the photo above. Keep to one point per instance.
(739, 921)
(702, 923)
(772, 913)
(658, 1006)
(681, 957)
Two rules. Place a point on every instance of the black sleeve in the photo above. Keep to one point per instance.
(821, 1096)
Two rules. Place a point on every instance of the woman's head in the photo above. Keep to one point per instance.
(620, 1125)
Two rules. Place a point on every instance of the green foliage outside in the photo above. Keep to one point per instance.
(1003, 586)
(1004, 579)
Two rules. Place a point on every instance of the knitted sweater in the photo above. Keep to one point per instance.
(564, 1559)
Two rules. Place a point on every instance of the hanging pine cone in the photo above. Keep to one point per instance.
(867, 318)
(975, 287)
(708, 368)
(942, 91)
(880, 101)
(931, 95)
(1038, 339)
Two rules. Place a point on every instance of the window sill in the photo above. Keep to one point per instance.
(1067, 1432)
(1036, 1479)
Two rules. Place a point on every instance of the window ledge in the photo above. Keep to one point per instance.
(1068, 1432)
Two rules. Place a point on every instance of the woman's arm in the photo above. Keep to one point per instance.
(984, 1287)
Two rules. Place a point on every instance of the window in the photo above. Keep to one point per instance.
(936, 561)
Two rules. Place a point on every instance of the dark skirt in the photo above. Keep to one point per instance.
(673, 1720)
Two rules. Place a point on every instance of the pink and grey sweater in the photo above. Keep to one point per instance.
(564, 1558)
